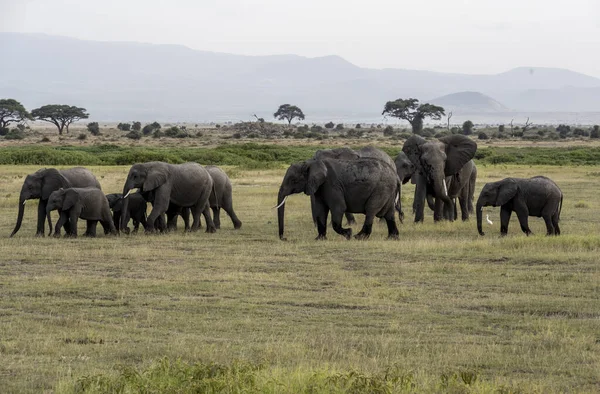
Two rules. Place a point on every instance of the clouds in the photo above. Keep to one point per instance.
(446, 35)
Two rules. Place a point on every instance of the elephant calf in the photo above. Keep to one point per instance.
(136, 210)
(538, 196)
(85, 203)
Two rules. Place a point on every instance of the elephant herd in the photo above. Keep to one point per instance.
(344, 182)
(171, 189)
(339, 181)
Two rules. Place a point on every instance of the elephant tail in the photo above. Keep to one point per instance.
(560, 206)
(214, 193)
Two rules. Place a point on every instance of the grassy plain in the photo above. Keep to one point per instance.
(440, 310)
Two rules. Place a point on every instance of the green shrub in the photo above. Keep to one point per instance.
(329, 125)
(93, 128)
(501, 128)
(14, 134)
(134, 135)
(482, 136)
(389, 131)
(467, 127)
(339, 126)
(82, 136)
(595, 133)
(124, 126)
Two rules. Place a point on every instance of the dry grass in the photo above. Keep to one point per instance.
(520, 312)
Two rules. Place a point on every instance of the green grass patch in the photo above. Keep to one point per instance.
(262, 156)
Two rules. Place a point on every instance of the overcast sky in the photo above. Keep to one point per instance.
(466, 36)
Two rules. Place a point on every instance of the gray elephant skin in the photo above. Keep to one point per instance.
(366, 185)
(444, 171)
(136, 210)
(186, 185)
(222, 197)
(538, 196)
(87, 203)
(42, 183)
(350, 154)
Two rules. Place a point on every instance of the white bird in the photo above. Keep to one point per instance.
(487, 217)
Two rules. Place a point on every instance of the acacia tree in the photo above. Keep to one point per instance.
(60, 115)
(289, 112)
(12, 111)
(413, 112)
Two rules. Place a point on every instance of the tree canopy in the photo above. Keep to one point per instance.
(289, 112)
(413, 112)
(60, 115)
(12, 111)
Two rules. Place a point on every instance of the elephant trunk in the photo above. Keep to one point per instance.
(125, 209)
(22, 201)
(479, 210)
(281, 197)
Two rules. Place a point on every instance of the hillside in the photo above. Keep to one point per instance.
(125, 80)
(467, 102)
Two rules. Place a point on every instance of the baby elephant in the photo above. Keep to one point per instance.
(85, 203)
(538, 196)
(137, 209)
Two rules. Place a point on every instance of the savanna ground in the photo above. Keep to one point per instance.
(440, 310)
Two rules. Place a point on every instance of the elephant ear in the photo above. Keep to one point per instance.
(70, 198)
(506, 191)
(459, 150)
(412, 149)
(317, 173)
(154, 179)
(52, 180)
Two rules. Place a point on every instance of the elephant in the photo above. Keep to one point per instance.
(465, 181)
(42, 183)
(186, 185)
(538, 196)
(137, 210)
(364, 185)
(440, 173)
(350, 154)
(222, 197)
(87, 203)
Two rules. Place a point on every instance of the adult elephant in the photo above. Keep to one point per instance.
(186, 185)
(439, 164)
(350, 154)
(538, 196)
(364, 185)
(222, 197)
(42, 183)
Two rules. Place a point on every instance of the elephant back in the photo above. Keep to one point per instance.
(80, 177)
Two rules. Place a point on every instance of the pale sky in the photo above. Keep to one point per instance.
(464, 36)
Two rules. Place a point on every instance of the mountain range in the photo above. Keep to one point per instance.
(127, 80)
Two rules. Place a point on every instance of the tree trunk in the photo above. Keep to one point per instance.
(417, 125)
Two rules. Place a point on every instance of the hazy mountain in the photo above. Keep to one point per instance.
(469, 102)
(125, 81)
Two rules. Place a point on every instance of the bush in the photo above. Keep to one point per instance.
(358, 126)
(482, 136)
(339, 126)
(581, 132)
(501, 128)
(317, 129)
(329, 125)
(151, 128)
(237, 136)
(595, 133)
(14, 134)
(4, 130)
(134, 135)
(389, 131)
(124, 126)
(136, 126)
(93, 128)
(82, 136)
(354, 133)
(517, 133)
(45, 139)
(442, 134)
(467, 127)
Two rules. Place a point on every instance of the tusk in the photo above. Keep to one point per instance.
(487, 218)
(129, 192)
(24, 202)
(283, 202)
(397, 198)
(445, 188)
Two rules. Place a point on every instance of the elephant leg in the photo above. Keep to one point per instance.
(210, 225)
(336, 222)
(549, 225)
(555, 224)
(350, 220)
(143, 220)
(464, 208)
(390, 219)
(160, 224)
(438, 212)
(41, 218)
(228, 207)
(321, 213)
(73, 219)
(172, 221)
(420, 196)
(159, 207)
(367, 227)
(449, 210)
(216, 217)
(63, 218)
(505, 213)
(116, 218)
(523, 215)
(91, 228)
(185, 215)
